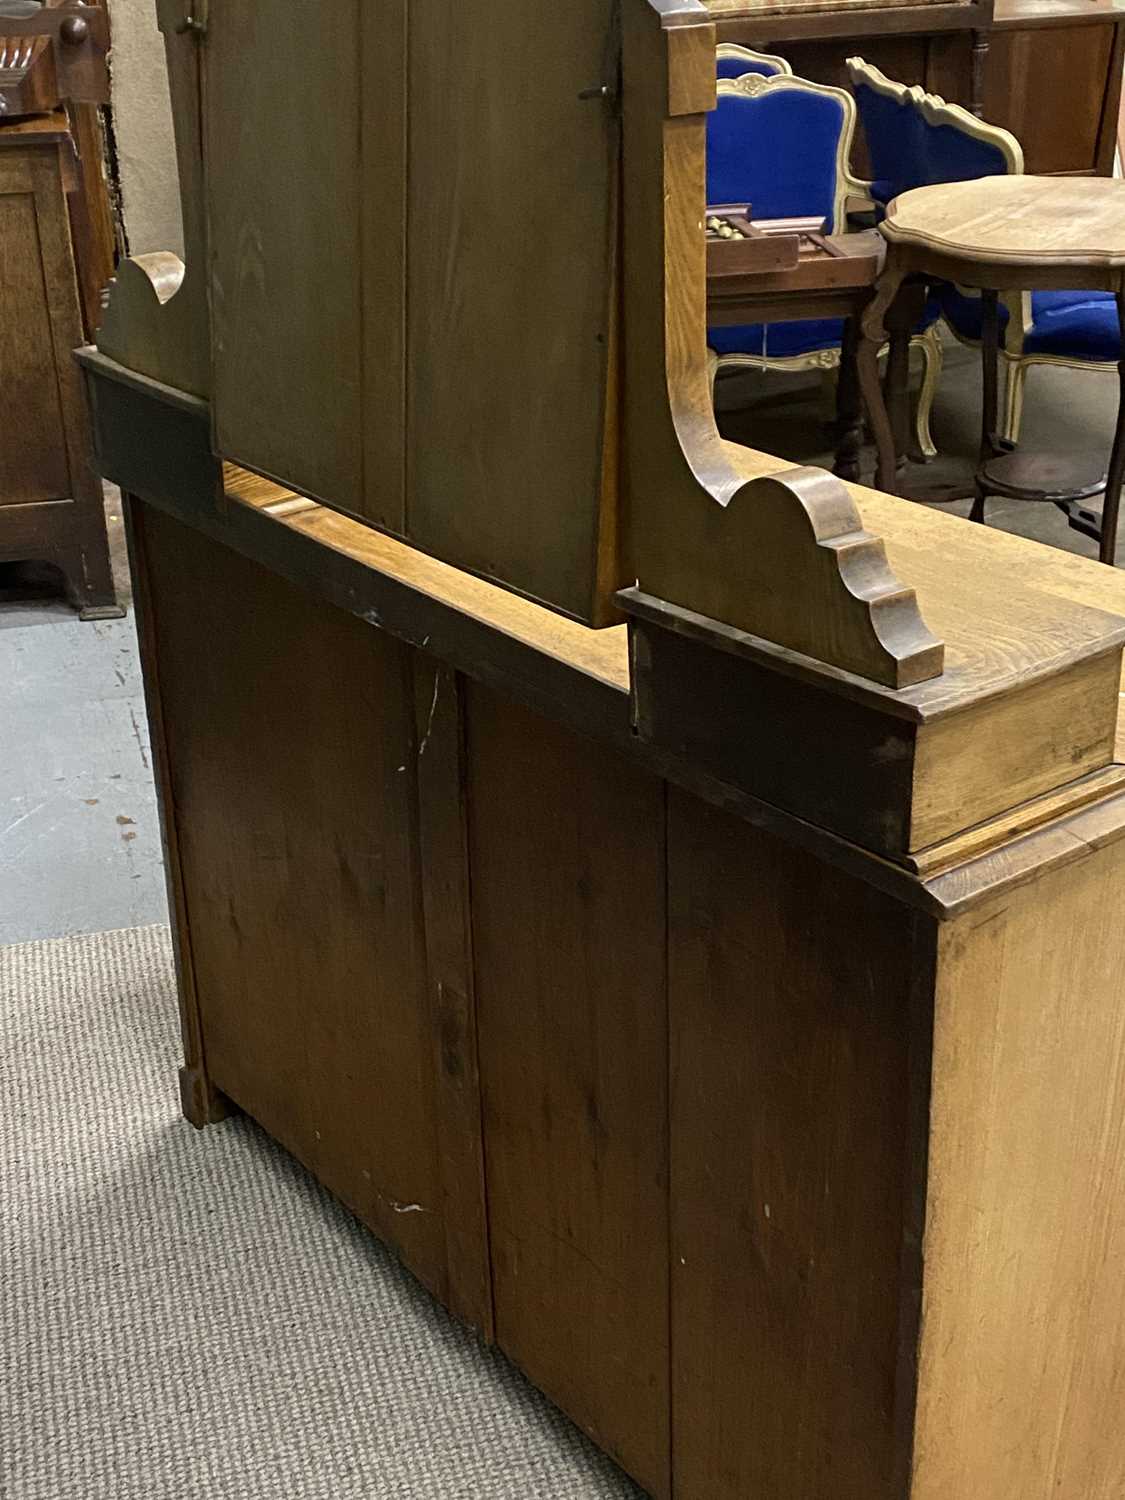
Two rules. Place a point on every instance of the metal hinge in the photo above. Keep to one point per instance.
(195, 22)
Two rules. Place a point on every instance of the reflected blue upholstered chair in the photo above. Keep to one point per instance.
(916, 139)
(735, 62)
(782, 145)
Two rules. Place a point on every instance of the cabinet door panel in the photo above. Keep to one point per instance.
(33, 460)
(282, 90)
(1029, 76)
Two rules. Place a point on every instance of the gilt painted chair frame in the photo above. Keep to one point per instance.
(732, 52)
(937, 111)
(847, 186)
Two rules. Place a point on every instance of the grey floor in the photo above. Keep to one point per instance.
(1064, 411)
(79, 839)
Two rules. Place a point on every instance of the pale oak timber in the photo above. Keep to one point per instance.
(1090, 710)
(1021, 219)
(1021, 1376)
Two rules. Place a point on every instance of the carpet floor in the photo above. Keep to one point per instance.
(188, 1314)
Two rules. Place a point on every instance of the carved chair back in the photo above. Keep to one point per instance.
(733, 61)
(781, 144)
(916, 139)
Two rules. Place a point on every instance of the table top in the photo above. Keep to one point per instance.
(1025, 221)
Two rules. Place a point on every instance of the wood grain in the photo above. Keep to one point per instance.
(508, 367)
(33, 462)
(383, 126)
(997, 636)
(444, 857)
(92, 230)
(1023, 66)
(581, 677)
(1028, 220)
(298, 847)
(1021, 1377)
(1015, 748)
(797, 1128)
(788, 560)
(200, 1100)
(284, 208)
(567, 861)
(51, 503)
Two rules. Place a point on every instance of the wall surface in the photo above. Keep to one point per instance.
(142, 119)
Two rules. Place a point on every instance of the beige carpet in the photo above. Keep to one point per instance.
(189, 1315)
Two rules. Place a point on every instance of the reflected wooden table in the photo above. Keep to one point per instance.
(1011, 235)
(834, 277)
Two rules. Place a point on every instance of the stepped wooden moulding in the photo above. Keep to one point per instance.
(689, 880)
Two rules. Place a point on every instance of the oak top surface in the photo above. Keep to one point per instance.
(1053, 607)
(601, 654)
(1029, 220)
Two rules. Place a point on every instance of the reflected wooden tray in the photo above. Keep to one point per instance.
(812, 262)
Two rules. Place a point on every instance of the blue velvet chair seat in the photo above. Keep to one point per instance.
(784, 341)
(1068, 325)
(790, 339)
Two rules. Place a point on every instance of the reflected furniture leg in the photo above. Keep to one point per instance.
(849, 406)
(990, 358)
(873, 335)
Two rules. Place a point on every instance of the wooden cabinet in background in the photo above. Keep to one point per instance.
(1047, 70)
(1053, 79)
(51, 504)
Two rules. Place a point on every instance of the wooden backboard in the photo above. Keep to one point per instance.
(383, 339)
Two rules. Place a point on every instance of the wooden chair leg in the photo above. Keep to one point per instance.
(1013, 400)
(933, 356)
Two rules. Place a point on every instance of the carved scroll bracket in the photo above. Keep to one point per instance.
(784, 559)
(788, 560)
(155, 319)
